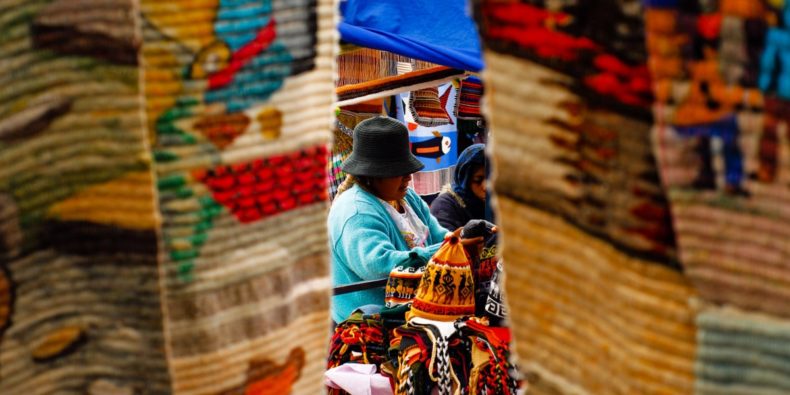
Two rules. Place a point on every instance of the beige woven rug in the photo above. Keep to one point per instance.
(163, 196)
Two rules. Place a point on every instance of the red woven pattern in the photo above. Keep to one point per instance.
(266, 187)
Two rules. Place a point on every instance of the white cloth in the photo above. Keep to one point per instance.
(411, 227)
(358, 379)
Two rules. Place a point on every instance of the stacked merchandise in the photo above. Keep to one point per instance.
(471, 123)
(588, 238)
(430, 336)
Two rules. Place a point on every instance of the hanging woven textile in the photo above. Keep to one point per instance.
(586, 220)
(427, 108)
(471, 122)
(365, 65)
(239, 99)
(80, 301)
(435, 146)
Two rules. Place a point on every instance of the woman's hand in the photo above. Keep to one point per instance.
(466, 242)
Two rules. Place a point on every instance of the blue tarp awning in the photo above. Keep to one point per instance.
(438, 31)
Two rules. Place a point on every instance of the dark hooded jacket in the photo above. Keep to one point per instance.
(456, 205)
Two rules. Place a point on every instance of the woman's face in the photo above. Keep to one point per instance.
(390, 188)
(478, 183)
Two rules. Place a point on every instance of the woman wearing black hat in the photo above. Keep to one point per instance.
(376, 221)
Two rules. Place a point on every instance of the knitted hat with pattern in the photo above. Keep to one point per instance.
(403, 282)
(446, 290)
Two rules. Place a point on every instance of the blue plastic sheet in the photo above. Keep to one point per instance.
(438, 31)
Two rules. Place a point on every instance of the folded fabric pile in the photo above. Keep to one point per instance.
(359, 339)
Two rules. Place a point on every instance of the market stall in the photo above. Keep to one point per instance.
(443, 325)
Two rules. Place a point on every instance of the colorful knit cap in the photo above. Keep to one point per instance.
(403, 282)
(446, 290)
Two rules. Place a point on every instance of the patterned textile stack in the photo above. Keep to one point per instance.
(588, 245)
(163, 196)
(80, 306)
(239, 103)
(428, 339)
(721, 130)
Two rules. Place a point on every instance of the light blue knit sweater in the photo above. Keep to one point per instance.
(366, 245)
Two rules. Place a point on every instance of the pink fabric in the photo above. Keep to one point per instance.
(358, 379)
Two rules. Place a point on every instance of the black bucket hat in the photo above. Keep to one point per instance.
(381, 149)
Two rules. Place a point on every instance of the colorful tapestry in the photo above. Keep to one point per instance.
(433, 133)
(641, 180)
(239, 98)
(80, 302)
(721, 134)
(163, 196)
(597, 302)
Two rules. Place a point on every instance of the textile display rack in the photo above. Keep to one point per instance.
(366, 77)
(365, 74)
(439, 104)
(442, 327)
